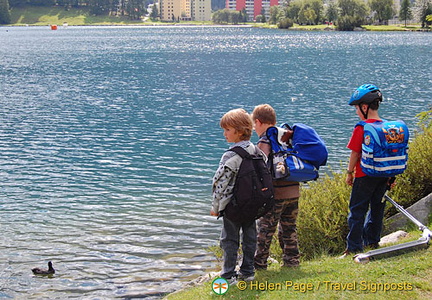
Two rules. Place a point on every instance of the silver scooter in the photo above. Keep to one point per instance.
(421, 243)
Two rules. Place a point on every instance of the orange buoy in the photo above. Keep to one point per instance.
(53, 27)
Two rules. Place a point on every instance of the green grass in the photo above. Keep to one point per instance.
(407, 276)
(399, 27)
(58, 15)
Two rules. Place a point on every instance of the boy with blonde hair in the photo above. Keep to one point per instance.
(237, 127)
(285, 210)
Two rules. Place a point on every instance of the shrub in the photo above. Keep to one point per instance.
(348, 23)
(416, 182)
(285, 23)
(260, 19)
(322, 221)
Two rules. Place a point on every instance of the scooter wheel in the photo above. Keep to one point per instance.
(361, 259)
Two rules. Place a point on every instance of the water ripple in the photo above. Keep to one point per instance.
(110, 137)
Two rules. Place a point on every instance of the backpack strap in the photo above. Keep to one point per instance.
(361, 123)
(240, 151)
(272, 136)
(264, 140)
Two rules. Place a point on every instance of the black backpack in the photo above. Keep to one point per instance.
(253, 189)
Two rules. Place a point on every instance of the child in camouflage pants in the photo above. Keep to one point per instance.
(285, 210)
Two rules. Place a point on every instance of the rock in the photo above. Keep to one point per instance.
(392, 238)
(419, 210)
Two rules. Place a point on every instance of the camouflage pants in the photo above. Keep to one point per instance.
(283, 213)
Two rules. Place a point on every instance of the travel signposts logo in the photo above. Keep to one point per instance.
(220, 286)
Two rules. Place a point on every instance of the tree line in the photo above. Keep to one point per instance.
(345, 14)
(133, 9)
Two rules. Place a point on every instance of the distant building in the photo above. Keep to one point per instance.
(253, 7)
(201, 10)
(186, 10)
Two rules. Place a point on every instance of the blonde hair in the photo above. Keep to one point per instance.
(265, 113)
(240, 120)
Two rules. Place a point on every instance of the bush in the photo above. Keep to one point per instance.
(322, 221)
(260, 19)
(416, 182)
(348, 23)
(285, 23)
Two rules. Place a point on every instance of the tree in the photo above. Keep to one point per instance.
(405, 12)
(5, 17)
(305, 11)
(154, 15)
(352, 14)
(318, 8)
(332, 11)
(422, 9)
(99, 7)
(383, 10)
(135, 9)
(353, 8)
(221, 16)
(234, 17)
(263, 17)
(293, 9)
(243, 15)
(276, 14)
(307, 16)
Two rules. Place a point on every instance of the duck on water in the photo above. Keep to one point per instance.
(50, 271)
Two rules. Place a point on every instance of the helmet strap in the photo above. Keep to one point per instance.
(365, 114)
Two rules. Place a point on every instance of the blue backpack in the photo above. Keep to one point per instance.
(299, 157)
(384, 148)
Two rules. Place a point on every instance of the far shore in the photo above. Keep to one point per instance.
(40, 16)
(248, 25)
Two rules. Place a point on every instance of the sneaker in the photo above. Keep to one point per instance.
(232, 280)
(242, 277)
(373, 246)
(345, 254)
(285, 265)
(260, 267)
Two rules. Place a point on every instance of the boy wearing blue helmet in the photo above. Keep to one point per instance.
(367, 191)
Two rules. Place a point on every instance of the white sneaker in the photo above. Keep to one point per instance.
(242, 277)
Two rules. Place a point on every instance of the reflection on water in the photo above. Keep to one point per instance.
(110, 137)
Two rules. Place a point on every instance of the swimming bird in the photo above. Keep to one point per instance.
(50, 271)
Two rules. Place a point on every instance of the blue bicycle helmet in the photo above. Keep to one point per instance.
(366, 93)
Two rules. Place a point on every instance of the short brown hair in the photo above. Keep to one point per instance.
(265, 113)
(240, 120)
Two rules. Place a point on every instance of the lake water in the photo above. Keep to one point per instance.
(109, 138)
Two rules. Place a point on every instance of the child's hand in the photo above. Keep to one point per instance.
(349, 179)
(212, 213)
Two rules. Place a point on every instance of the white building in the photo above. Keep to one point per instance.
(175, 10)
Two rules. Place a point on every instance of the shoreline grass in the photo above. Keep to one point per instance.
(405, 277)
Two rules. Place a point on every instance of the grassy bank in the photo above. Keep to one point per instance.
(42, 16)
(408, 276)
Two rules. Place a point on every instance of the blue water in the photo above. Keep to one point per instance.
(109, 138)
